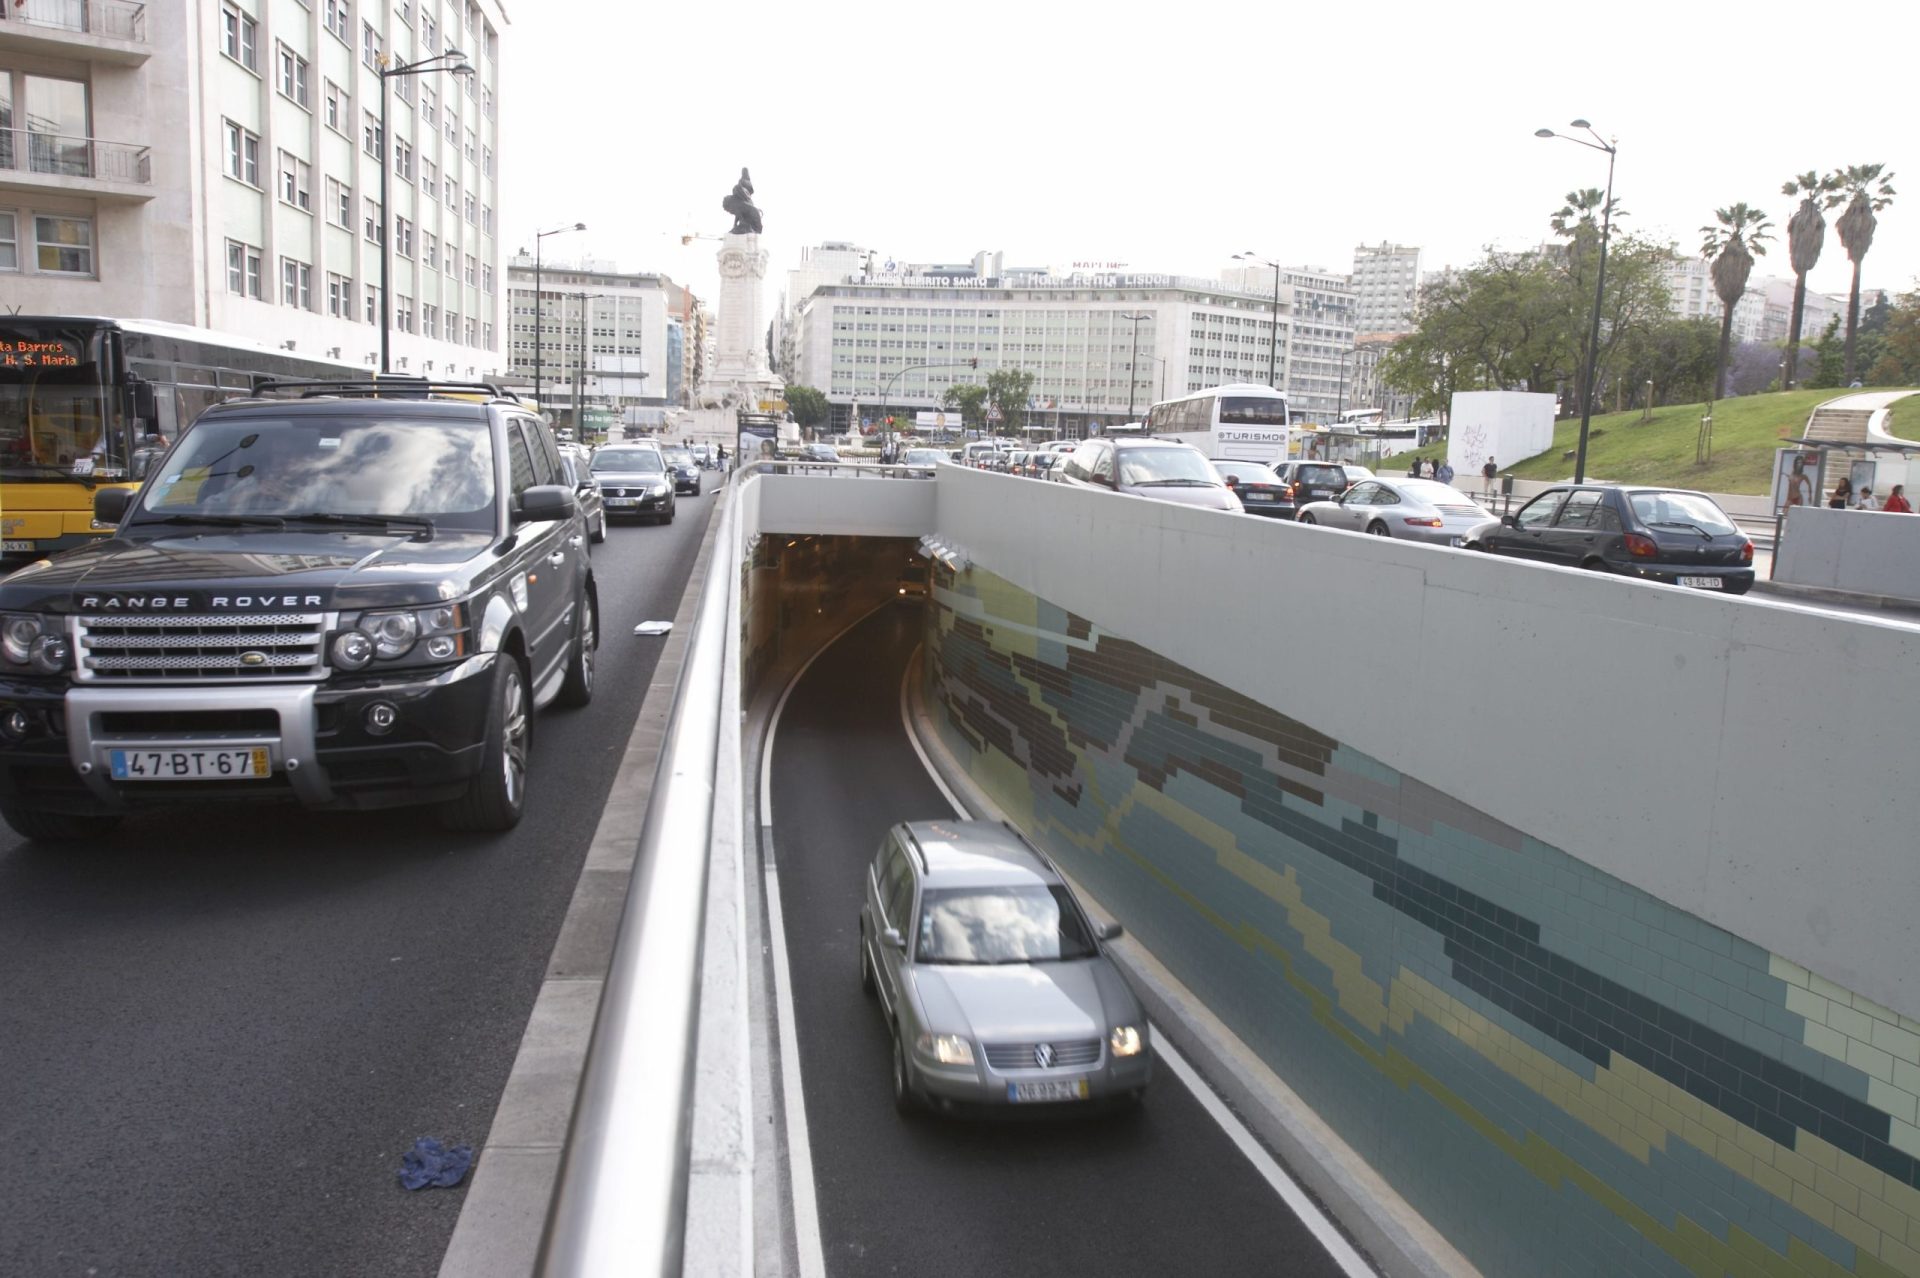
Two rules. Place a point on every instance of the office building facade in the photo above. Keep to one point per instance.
(602, 335)
(1386, 287)
(217, 163)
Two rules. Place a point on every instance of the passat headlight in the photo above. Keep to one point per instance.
(947, 1049)
(17, 633)
(660, 490)
(1126, 1040)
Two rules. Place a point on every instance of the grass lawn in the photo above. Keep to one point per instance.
(1903, 419)
(1746, 431)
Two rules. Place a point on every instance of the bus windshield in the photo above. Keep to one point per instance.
(1252, 410)
(59, 415)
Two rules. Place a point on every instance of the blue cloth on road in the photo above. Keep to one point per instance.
(431, 1163)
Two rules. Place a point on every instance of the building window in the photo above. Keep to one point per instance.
(486, 160)
(472, 270)
(486, 94)
(486, 218)
(403, 237)
(9, 243)
(473, 208)
(369, 46)
(488, 341)
(296, 178)
(371, 139)
(337, 16)
(486, 279)
(430, 250)
(374, 227)
(339, 296)
(429, 101)
(243, 269)
(338, 103)
(243, 155)
(429, 36)
(453, 194)
(64, 244)
(429, 180)
(473, 332)
(473, 153)
(430, 321)
(451, 126)
(293, 76)
(373, 305)
(339, 203)
(402, 160)
(296, 284)
(237, 33)
(403, 314)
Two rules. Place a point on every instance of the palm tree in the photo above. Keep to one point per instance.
(1865, 190)
(1806, 236)
(1737, 238)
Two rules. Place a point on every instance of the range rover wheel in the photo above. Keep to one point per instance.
(599, 533)
(867, 984)
(497, 795)
(578, 688)
(904, 1098)
(56, 827)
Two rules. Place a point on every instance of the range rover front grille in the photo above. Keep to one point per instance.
(200, 646)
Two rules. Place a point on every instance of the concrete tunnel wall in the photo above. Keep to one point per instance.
(1578, 1032)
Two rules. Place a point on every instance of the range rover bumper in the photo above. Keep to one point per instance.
(323, 750)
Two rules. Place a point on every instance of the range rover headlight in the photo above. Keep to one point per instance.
(351, 650)
(393, 633)
(17, 633)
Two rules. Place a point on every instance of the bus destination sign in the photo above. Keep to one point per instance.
(22, 352)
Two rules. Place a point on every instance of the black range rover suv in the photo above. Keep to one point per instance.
(340, 594)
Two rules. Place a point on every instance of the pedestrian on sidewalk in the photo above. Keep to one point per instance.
(1842, 495)
(1866, 501)
(1897, 501)
(1489, 472)
(1443, 471)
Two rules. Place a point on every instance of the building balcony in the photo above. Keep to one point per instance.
(91, 30)
(49, 163)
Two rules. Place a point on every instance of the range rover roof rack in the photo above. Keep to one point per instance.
(381, 388)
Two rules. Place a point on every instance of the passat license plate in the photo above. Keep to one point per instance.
(622, 501)
(190, 765)
(1702, 583)
(1064, 1089)
(1259, 496)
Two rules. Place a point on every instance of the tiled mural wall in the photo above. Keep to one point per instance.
(1564, 1074)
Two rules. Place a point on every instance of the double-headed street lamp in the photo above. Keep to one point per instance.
(454, 62)
(1273, 344)
(1133, 374)
(539, 330)
(1599, 285)
(580, 369)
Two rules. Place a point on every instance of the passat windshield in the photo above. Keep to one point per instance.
(984, 925)
(627, 461)
(275, 470)
(1147, 467)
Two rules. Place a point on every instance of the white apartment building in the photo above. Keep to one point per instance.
(1093, 361)
(1692, 296)
(601, 339)
(218, 163)
(1320, 346)
(1386, 287)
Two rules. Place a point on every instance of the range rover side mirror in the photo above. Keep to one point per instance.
(110, 504)
(544, 502)
(892, 939)
(1106, 931)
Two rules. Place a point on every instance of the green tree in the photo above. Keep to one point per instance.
(1899, 359)
(1736, 236)
(1675, 357)
(1008, 390)
(970, 400)
(1806, 236)
(1865, 189)
(808, 406)
(1829, 358)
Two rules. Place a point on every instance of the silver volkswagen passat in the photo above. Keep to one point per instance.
(991, 977)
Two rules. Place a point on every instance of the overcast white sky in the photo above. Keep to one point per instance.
(1170, 136)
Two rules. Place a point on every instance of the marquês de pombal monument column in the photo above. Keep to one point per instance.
(738, 376)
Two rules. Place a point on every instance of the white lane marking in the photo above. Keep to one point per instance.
(806, 1206)
(913, 738)
(806, 1203)
(1323, 1229)
(1325, 1232)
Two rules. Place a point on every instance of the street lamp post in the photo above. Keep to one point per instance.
(580, 370)
(539, 331)
(425, 66)
(1132, 375)
(1273, 342)
(1599, 286)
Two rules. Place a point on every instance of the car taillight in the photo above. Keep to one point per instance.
(1746, 552)
(1423, 523)
(1642, 547)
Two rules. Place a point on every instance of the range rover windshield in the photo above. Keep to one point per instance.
(270, 471)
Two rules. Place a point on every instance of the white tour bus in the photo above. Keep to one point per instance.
(1241, 422)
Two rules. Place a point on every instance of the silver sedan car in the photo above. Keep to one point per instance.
(994, 986)
(1415, 509)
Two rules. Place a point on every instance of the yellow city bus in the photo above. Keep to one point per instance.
(86, 402)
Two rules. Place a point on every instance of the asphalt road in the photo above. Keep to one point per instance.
(220, 1030)
(1161, 1191)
